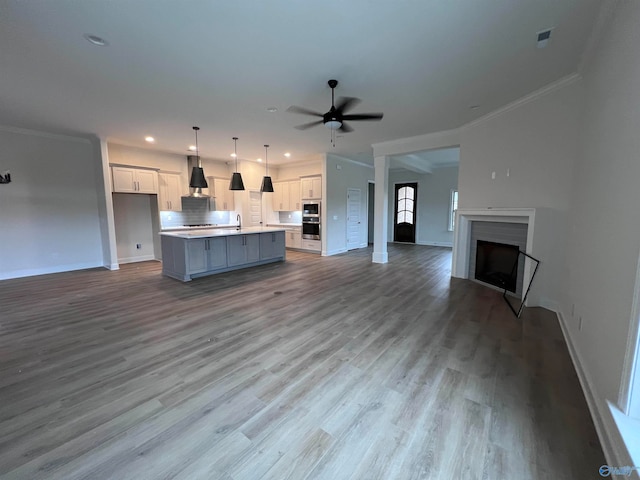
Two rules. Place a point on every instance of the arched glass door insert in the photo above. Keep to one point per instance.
(404, 229)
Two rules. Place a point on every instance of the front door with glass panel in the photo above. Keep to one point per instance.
(404, 225)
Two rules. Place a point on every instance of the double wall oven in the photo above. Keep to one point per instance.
(311, 221)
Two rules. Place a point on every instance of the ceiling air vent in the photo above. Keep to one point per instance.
(543, 38)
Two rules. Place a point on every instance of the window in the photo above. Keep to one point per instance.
(404, 211)
(453, 208)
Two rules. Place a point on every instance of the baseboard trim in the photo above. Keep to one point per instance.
(436, 244)
(612, 444)
(142, 258)
(328, 253)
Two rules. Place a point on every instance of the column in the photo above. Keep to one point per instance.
(381, 207)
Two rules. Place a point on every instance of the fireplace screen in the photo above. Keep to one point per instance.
(497, 264)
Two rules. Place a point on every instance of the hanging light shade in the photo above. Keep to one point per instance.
(197, 174)
(267, 184)
(236, 179)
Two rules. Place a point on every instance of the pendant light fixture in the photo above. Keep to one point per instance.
(198, 181)
(267, 184)
(236, 178)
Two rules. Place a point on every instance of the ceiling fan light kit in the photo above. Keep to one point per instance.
(335, 118)
(236, 179)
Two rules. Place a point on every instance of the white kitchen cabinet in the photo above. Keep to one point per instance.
(295, 200)
(134, 180)
(271, 245)
(293, 239)
(314, 245)
(280, 197)
(311, 187)
(170, 191)
(286, 196)
(206, 254)
(243, 249)
(223, 196)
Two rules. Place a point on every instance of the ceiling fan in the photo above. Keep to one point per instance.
(335, 118)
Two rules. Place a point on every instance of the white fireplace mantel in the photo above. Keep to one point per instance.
(462, 236)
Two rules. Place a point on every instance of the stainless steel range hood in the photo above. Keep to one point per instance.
(198, 181)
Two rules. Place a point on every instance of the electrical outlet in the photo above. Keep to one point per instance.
(138, 246)
(493, 175)
(579, 323)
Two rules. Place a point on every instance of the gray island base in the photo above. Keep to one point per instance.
(197, 253)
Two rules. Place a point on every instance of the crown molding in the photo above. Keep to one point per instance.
(542, 92)
(350, 160)
(428, 141)
(38, 133)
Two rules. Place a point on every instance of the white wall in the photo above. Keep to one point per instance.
(605, 211)
(434, 193)
(49, 211)
(133, 216)
(297, 170)
(537, 141)
(335, 202)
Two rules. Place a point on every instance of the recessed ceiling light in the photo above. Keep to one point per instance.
(233, 155)
(259, 159)
(272, 109)
(149, 139)
(192, 148)
(96, 40)
(287, 154)
(474, 107)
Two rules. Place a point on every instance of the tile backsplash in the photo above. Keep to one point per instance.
(195, 211)
(290, 217)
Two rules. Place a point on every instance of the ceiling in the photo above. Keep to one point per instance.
(173, 64)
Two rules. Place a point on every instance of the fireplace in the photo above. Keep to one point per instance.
(494, 225)
(497, 264)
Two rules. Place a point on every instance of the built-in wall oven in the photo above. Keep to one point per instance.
(311, 221)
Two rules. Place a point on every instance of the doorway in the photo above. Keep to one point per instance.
(255, 208)
(354, 200)
(404, 218)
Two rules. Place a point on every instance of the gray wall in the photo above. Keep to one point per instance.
(434, 193)
(49, 212)
(350, 175)
(537, 142)
(604, 233)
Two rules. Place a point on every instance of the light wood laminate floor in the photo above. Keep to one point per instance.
(318, 368)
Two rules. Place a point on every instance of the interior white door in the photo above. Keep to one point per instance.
(353, 218)
(255, 208)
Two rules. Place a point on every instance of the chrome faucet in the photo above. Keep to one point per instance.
(239, 222)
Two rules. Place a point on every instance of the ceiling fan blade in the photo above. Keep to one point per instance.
(347, 103)
(363, 116)
(304, 111)
(304, 126)
(345, 128)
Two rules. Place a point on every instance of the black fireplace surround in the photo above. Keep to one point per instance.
(497, 264)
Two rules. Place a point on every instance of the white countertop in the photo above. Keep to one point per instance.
(185, 227)
(278, 224)
(219, 232)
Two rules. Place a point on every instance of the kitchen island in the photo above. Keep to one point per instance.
(197, 253)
